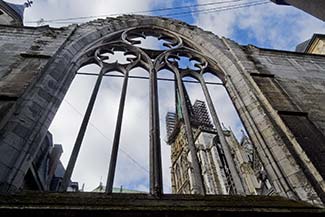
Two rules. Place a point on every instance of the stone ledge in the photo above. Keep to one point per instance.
(100, 204)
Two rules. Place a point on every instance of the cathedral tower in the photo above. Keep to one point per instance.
(216, 174)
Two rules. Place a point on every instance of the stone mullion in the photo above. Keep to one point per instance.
(224, 144)
(197, 178)
(117, 134)
(81, 134)
(156, 186)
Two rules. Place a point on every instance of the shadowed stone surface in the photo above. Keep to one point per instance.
(98, 204)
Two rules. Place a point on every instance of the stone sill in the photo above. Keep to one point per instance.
(120, 205)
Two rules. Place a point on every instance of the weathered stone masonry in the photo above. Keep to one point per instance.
(279, 95)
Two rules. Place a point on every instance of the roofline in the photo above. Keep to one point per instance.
(37, 27)
(280, 2)
(284, 51)
(312, 40)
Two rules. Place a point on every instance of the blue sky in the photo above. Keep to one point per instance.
(268, 25)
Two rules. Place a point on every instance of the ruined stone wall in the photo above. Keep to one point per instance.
(25, 52)
(294, 84)
(37, 66)
(281, 153)
(299, 79)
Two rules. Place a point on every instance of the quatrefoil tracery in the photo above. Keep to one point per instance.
(122, 55)
(168, 40)
(117, 56)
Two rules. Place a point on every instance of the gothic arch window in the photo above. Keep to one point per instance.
(178, 177)
(188, 53)
(118, 55)
(184, 166)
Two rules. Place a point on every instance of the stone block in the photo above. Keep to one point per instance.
(17, 181)
(56, 70)
(13, 140)
(4, 171)
(279, 151)
(8, 155)
(21, 131)
(45, 95)
(289, 166)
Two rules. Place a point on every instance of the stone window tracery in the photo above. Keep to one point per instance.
(127, 50)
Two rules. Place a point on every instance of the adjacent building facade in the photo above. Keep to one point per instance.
(46, 171)
(313, 7)
(216, 174)
(315, 45)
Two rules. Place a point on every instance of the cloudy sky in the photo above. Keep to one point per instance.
(265, 25)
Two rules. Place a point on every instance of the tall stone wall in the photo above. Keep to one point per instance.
(25, 55)
(294, 84)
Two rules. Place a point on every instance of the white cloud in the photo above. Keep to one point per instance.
(60, 9)
(220, 24)
(269, 25)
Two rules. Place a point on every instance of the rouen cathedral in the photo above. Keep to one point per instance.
(278, 168)
(215, 169)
